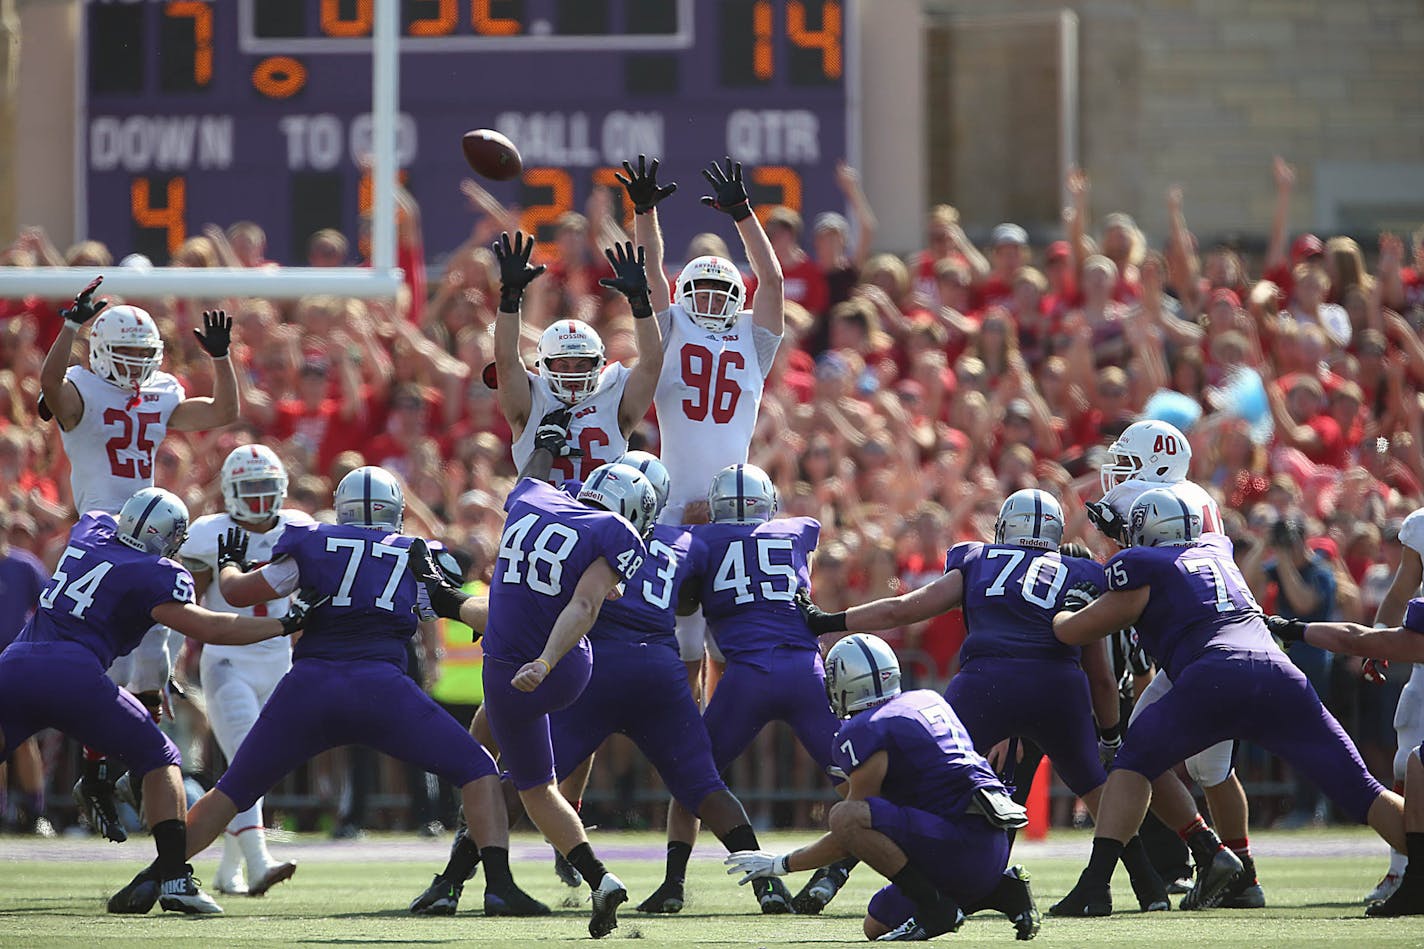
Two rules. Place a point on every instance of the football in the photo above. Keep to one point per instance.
(491, 154)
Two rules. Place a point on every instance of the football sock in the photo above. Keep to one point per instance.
(588, 866)
(1106, 853)
(34, 804)
(496, 860)
(679, 852)
(843, 867)
(1397, 862)
(919, 889)
(1139, 865)
(464, 857)
(1203, 844)
(1415, 842)
(1240, 846)
(741, 837)
(170, 837)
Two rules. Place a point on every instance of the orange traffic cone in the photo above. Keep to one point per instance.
(1038, 802)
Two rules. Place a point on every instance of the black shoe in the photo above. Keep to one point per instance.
(139, 896)
(823, 886)
(773, 896)
(1408, 900)
(565, 871)
(1151, 895)
(182, 894)
(1212, 881)
(1244, 891)
(667, 898)
(441, 898)
(1016, 902)
(925, 928)
(1085, 899)
(512, 901)
(609, 895)
(95, 797)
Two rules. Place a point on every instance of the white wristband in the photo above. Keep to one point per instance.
(781, 865)
(1382, 626)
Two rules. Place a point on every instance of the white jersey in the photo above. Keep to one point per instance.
(1411, 535)
(1123, 496)
(593, 425)
(200, 552)
(708, 397)
(111, 448)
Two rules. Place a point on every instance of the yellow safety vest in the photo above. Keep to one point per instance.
(461, 679)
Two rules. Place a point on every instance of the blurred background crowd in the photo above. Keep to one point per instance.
(910, 396)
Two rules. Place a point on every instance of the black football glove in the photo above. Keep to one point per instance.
(631, 278)
(730, 195)
(1073, 549)
(1286, 630)
(515, 271)
(300, 609)
(1108, 521)
(216, 335)
(232, 548)
(818, 619)
(85, 307)
(642, 185)
(552, 435)
(445, 598)
(1079, 595)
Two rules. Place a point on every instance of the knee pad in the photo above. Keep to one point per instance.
(1212, 766)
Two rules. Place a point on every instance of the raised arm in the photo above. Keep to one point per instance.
(61, 397)
(848, 179)
(515, 274)
(1280, 220)
(1402, 588)
(730, 197)
(202, 413)
(645, 193)
(631, 281)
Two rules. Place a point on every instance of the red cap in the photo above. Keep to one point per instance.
(1305, 247)
(1323, 545)
(1225, 295)
(957, 438)
(1058, 250)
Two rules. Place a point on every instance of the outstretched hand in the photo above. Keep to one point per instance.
(216, 334)
(301, 608)
(445, 597)
(630, 277)
(85, 307)
(515, 271)
(232, 548)
(552, 435)
(816, 618)
(642, 185)
(730, 193)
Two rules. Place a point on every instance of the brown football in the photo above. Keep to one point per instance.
(491, 154)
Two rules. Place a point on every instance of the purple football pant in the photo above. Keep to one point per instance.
(963, 856)
(1043, 700)
(520, 720)
(324, 703)
(1260, 698)
(640, 691)
(61, 685)
(792, 690)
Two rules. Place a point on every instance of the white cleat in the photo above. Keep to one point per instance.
(183, 895)
(610, 895)
(1385, 888)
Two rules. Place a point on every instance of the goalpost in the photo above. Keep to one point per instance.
(381, 280)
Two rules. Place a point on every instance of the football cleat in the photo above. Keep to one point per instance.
(1244, 891)
(667, 898)
(1017, 903)
(1179, 887)
(1384, 889)
(181, 894)
(823, 886)
(276, 873)
(1151, 895)
(441, 898)
(1213, 881)
(140, 894)
(772, 895)
(513, 902)
(565, 871)
(1406, 900)
(1085, 899)
(229, 881)
(610, 895)
(95, 798)
(912, 930)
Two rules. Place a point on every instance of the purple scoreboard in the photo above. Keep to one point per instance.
(212, 112)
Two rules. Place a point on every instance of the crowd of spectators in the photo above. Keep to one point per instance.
(911, 395)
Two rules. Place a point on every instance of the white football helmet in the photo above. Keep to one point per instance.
(653, 469)
(154, 521)
(1161, 519)
(1030, 518)
(370, 497)
(861, 672)
(570, 338)
(722, 299)
(742, 494)
(254, 483)
(128, 328)
(1148, 450)
(625, 491)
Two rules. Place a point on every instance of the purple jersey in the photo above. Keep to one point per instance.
(371, 612)
(1199, 601)
(933, 765)
(22, 580)
(103, 592)
(1011, 594)
(647, 611)
(549, 541)
(750, 581)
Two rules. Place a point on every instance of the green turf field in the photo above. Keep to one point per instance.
(356, 894)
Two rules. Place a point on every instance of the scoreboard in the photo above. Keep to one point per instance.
(213, 111)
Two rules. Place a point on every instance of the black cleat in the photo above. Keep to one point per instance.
(1244, 891)
(823, 886)
(441, 898)
(139, 896)
(1085, 899)
(1407, 900)
(913, 930)
(512, 901)
(1017, 903)
(610, 895)
(667, 898)
(95, 797)
(568, 876)
(773, 896)
(1213, 881)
